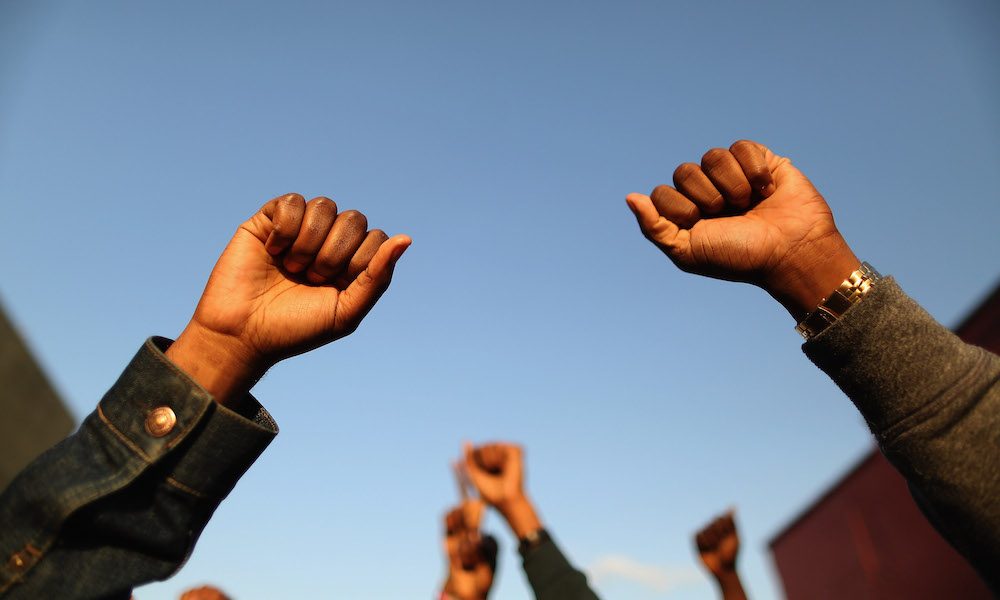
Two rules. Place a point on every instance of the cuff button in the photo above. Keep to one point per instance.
(161, 421)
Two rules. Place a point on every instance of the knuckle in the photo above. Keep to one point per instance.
(686, 171)
(758, 173)
(292, 199)
(354, 218)
(714, 157)
(324, 204)
(660, 192)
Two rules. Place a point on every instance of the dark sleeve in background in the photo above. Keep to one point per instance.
(112, 507)
(552, 577)
(933, 403)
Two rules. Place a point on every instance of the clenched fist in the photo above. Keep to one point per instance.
(718, 545)
(497, 472)
(746, 214)
(295, 276)
(472, 557)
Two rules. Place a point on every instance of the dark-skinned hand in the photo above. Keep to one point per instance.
(295, 276)
(747, 214)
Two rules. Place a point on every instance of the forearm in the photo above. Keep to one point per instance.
(933, 403)
(521, 516)
(730, 586)
(114, 505)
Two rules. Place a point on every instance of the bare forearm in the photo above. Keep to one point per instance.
(730, 586)
(215, 363)
(520, 514)
(804, 282)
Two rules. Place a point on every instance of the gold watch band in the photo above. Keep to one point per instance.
(850, 292)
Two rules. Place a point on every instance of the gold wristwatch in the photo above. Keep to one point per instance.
(850, 292)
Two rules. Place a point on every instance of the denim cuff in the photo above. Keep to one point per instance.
(214, 444)
(155, 422)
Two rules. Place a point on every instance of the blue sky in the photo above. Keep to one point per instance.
(135, 136)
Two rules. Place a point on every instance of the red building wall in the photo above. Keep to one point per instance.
(866, 538)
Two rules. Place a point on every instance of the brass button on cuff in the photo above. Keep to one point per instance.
(160, 421)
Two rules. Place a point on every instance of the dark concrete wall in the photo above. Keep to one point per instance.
(32, 416)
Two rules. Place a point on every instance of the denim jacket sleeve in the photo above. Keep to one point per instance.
(933, 403)
(114, 506)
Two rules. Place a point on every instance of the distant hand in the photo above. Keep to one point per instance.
(746, 214)
(718, 544)
(497, 472)
(472, 558)
(205, 592)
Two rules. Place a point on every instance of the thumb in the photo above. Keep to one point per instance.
(662, 232)
(781, 167)
(362, 294)
(475, 473)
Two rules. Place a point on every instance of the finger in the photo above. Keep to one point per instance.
(473, 512)
(654, 226)
(490, 458)
(319, 217)
(472, 467)
(365, 253)
(341, 243)
(673, 206)
(453, 521)
(719, 528)
(691, 181)
(362, 294)
(726, 524)
(727, 176)
(753, 162)
(285, 213)
(701, 540)
(468, 553)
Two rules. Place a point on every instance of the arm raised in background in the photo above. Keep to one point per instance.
(718, 544)
(123, 500)
(472, 557)
(932, 401)
(497, 472)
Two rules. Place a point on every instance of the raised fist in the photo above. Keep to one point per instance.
(746, 214)
(295, 276)
(497, 472)
(718, 544)
(472, 557)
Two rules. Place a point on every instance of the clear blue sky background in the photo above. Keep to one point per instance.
(135, 136)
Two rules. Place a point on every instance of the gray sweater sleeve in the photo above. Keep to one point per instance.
(933, 403)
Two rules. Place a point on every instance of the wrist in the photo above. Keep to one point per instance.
(216, 362)
(520, 516)
(802, 282)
